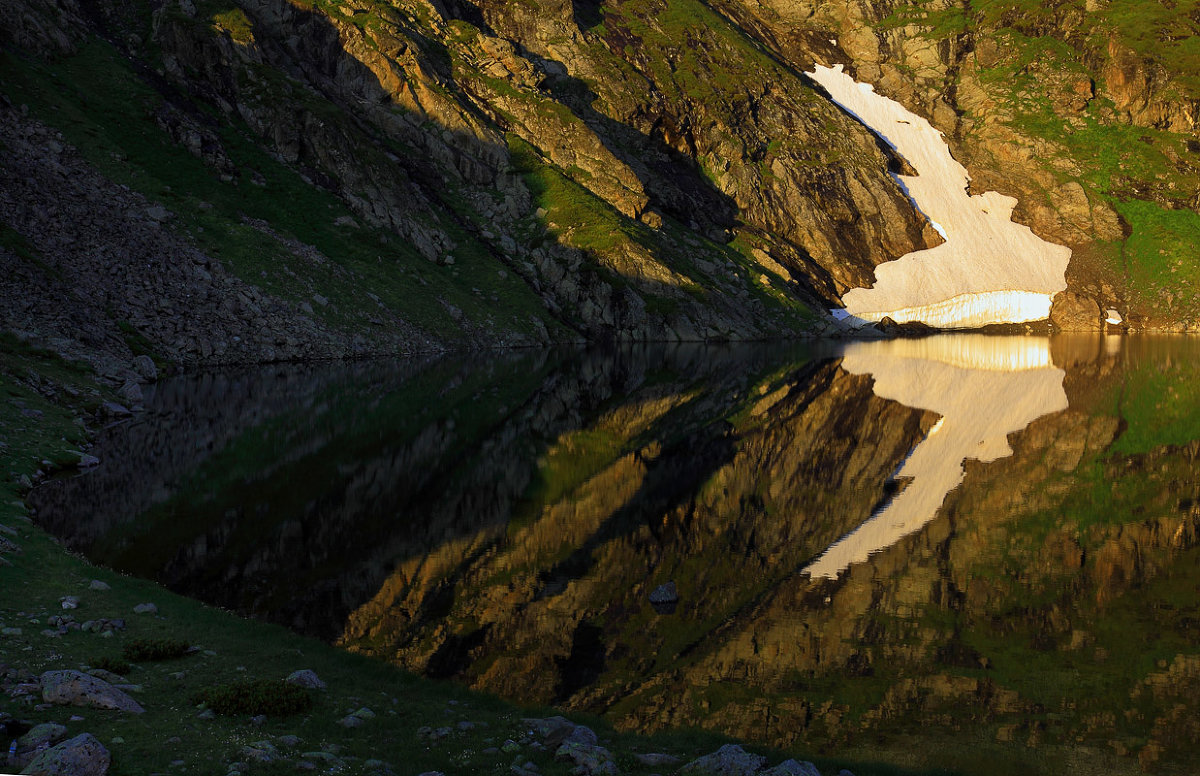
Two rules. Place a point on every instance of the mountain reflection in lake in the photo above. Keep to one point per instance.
(977, 540)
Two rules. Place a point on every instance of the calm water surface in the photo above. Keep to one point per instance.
(979, 552)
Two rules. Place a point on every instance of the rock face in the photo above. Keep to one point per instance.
(82, 755)
(79, 689)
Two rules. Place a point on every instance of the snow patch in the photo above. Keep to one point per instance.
(988, 270)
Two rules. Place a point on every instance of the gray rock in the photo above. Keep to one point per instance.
(131, 392)
(114, 410)
(364, 713)
(351, 721)
(145, 609)
(40, 735)
(792, 768)
(729, 760)
(589, 760)
(79, 689)
(582, 735)
(82, 755)
(98, 585)
(158, 213)
(144, 366)
(306, 678)
(87, 461)
(288, 741)
(69, 602)
(664, 594)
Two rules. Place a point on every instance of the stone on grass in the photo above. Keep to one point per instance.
(40, 735)
(589, 760)
(82, 755)
(145, 609)
(350, 721)
(79, 689)
(96, 584)
(729, 760)
(306, 678)
(792, 768)
(364, 713)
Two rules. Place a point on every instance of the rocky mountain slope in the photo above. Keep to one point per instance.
(336, 177)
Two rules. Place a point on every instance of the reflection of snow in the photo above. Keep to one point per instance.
(985, 388)
(989, 270)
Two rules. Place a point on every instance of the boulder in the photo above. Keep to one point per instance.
(729, 760)
(792, 768)
(1075, 312)
(306, 678)
(41, 735)
(82, 755)
(79, 689)
(589, 760)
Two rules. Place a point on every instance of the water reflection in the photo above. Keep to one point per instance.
(988, 544)
(983, 388)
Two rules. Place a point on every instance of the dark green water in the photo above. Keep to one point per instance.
(972, 551)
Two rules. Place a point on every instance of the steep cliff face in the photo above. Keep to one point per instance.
(513, 173)
(1085, 111)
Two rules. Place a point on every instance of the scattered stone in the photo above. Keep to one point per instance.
(87, 461)
(510, 747)
(207, 714)
(10, 631)
(325, 757)
(364, 713)
(69, 602)
(97, 585)
(589, 760)
(350, 721)
(114, 410)
(729, 760)
(82, 755)
(792, 768)
(306, 678)
(288, 741)
(144, 366)
(145, 609)
(41, 735)
(79, 689)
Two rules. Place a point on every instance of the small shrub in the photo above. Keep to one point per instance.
(272, 697)
(113, 664)
(149, 650)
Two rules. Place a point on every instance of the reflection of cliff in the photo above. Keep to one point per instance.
(984, 388)
(295, 499)
(558, 611)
